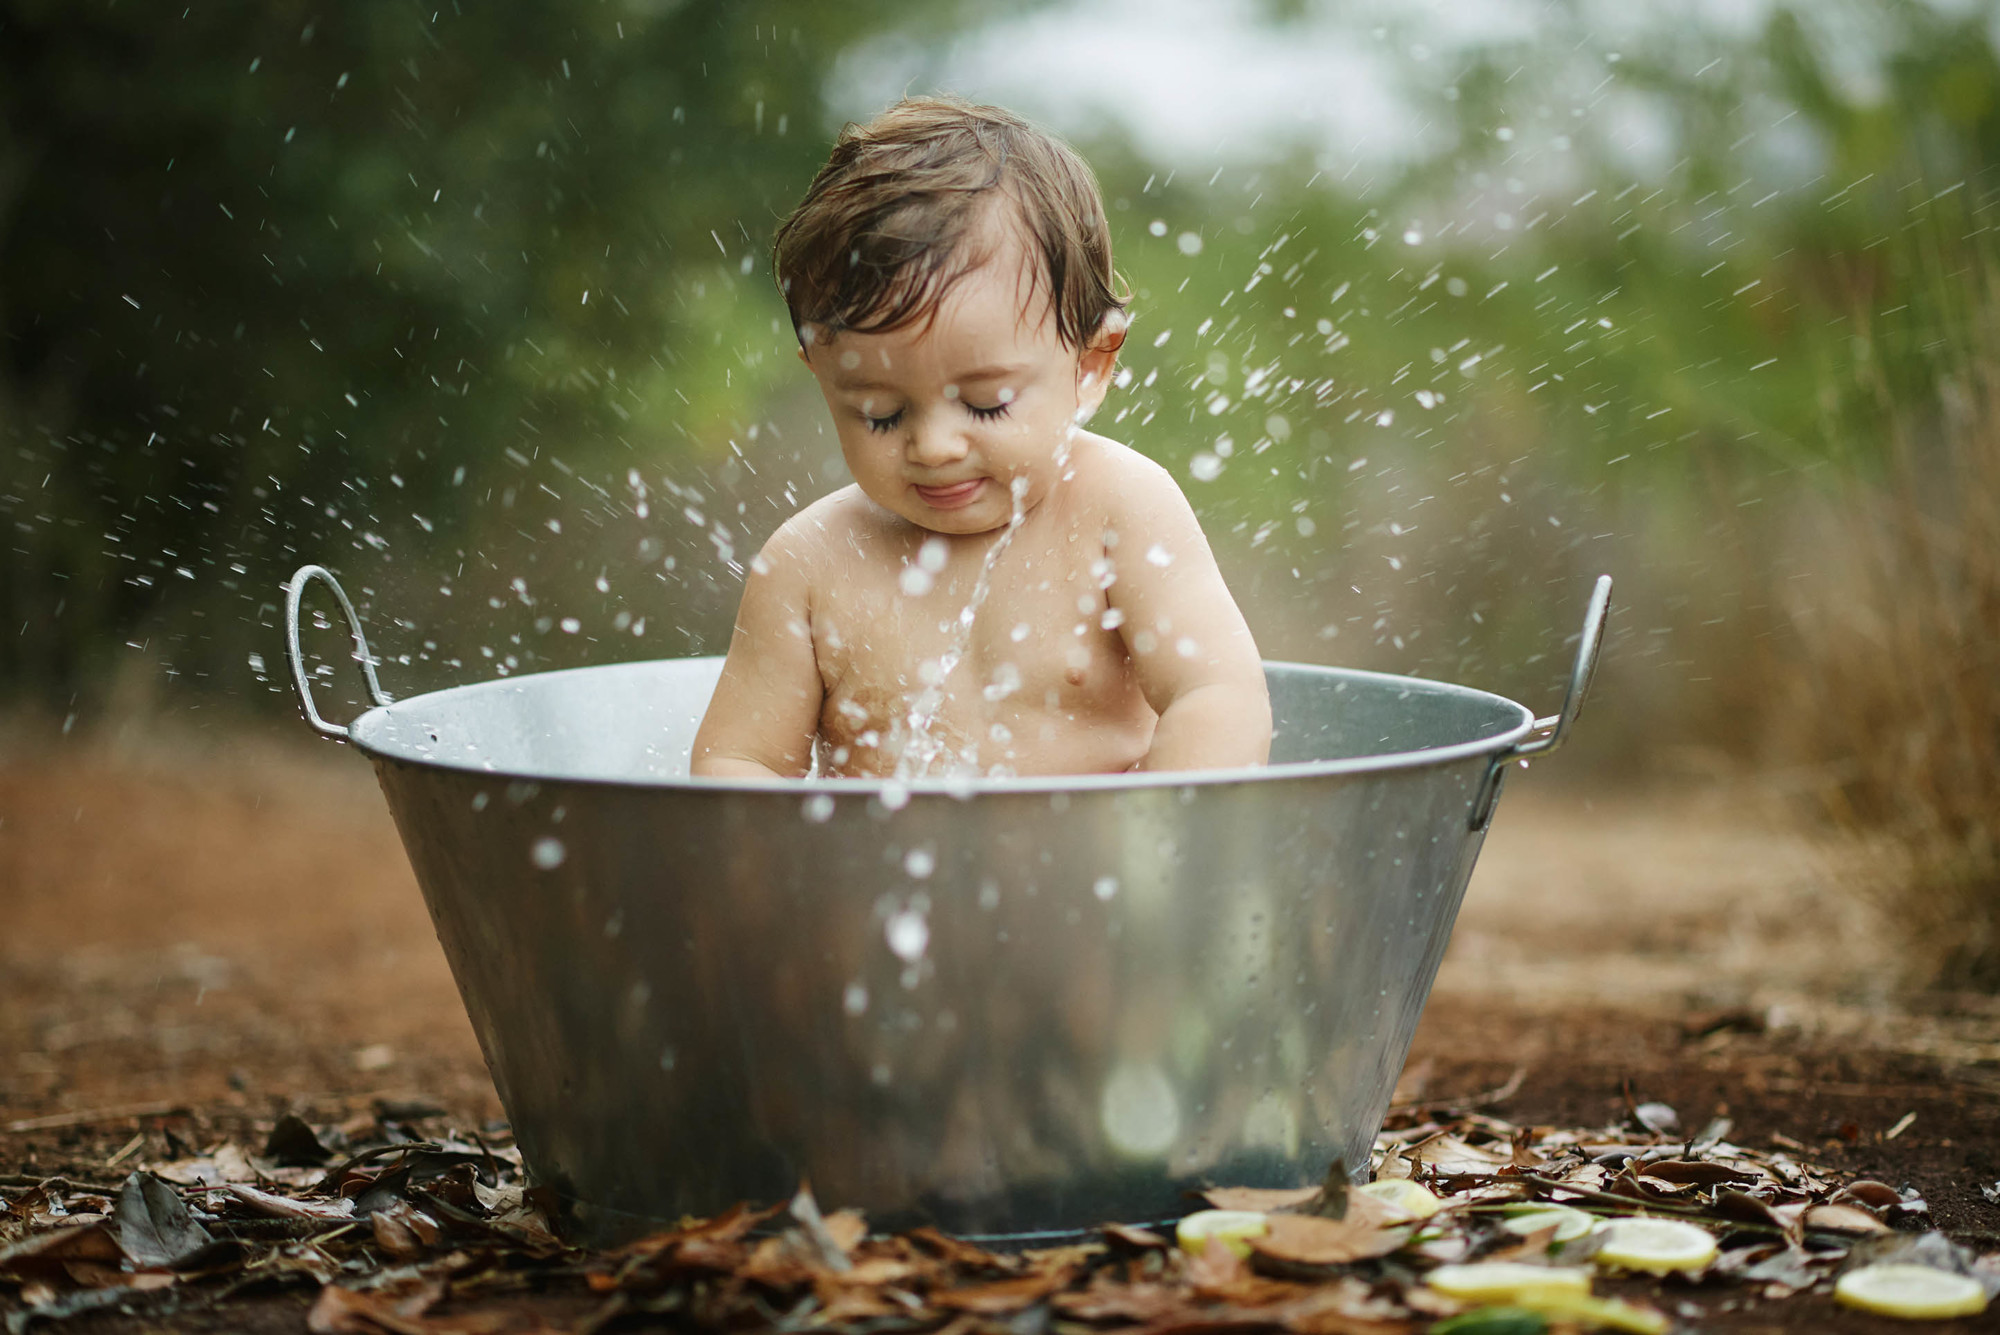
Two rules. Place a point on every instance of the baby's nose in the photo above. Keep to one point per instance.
(933, 443)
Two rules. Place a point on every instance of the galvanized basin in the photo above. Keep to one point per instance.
(1010, 1008)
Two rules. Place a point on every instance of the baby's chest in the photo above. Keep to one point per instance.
(1037, 626)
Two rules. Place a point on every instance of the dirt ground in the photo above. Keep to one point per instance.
(230, 926)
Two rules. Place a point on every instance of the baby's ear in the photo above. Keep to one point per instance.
(1100, 357)
(1111, 330)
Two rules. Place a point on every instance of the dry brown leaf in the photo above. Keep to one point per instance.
(1138, 1239)
(403, 1231)
(1739, 1205)
(1107, 1299)
(343, 1311)
(43, 1256)
(776, 1264)
(1700, 1171)
(1843, 1219)
(1001, 1295)
(856, 1303)
(847, 1228)
(1310, 1240)
(1868, 1193)
(1263, 1199)
(1449, 1156)
(287, 1207)
(1346, 1307)
(956, 1252)
(876, 1270)
(731, 1224)
(1216, 1268)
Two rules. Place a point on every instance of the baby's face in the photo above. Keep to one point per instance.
(938, 420)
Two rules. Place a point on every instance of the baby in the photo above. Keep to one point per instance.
(1000, 592)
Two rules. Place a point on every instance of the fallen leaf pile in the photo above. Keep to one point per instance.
(1471, 1225)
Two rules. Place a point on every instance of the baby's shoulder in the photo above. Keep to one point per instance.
(1120, 480)
(840, 522)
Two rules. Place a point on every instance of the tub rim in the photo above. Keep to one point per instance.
(358, 734)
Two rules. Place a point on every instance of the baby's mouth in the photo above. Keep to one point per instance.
(954, 497)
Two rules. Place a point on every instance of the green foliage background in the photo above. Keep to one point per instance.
(473, 305)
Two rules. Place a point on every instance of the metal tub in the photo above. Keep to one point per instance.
(1007, 1008)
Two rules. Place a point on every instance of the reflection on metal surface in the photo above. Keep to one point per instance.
(1142, 1120)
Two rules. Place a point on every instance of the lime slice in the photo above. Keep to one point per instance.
(1569, 1224)
(1582, 1310)
(1914, 1292)
(1494, 1321)
(1505, 1281)
(1233, 1228)
(1657, 1246)
(1413, 1198)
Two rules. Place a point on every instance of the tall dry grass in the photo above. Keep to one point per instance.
(1896, 697)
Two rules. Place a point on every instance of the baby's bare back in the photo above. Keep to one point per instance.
(1039, 682)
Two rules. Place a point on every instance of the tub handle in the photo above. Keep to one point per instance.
(294, 591)
(1553, 731)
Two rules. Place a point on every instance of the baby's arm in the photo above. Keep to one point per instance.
(765, 712)
(1194, 656)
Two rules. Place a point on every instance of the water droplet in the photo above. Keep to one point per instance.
(1104, 887)
(919, 863)
(1413, 235)
(818, 808)
(1205, 467)
(895, 796)
(1157, 555)
(548, 853)
(1189, 243)
(915, 581)
(908, 934)
(1006, 681)
(854, 1000)
(932, 555)
(668, 1058)
(1158, 227)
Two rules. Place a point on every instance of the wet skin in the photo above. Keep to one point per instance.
(1106, 639)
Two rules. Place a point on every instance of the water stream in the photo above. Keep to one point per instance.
(921, 747)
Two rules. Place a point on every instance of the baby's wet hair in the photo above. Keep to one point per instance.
(897, 216)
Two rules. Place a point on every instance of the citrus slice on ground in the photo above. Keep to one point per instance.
(1232, 1228)
(1913, 1292)
(1582, 1310)
(1569, 1224)
(1494, 1321)
(1505, 1281)
(1413, 1198)
(1657, 1246)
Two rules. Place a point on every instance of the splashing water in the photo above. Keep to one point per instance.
(921, 746)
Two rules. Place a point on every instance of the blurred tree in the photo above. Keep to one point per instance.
(274, 277)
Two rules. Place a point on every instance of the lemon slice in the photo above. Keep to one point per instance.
(1413, 1198)
(1914, 1292)
(1569, 1224)
(1657, 1246)
(1233, 1228)
(1505, 1281)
